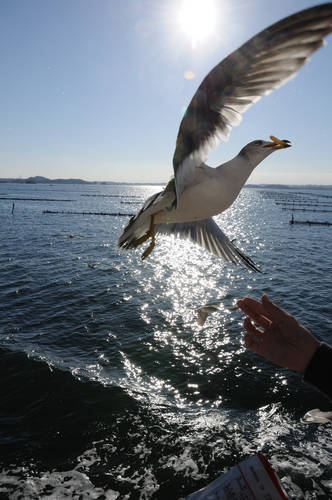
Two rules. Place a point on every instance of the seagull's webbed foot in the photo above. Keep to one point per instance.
(150, 233)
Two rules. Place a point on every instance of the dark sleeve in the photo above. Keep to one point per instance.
(319, 370)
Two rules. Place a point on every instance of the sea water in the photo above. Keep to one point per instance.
(109, 387)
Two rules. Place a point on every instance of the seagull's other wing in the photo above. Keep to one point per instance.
(209, 236)
(262, 64)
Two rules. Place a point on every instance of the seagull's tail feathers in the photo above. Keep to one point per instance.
(131, 235)
(209, 236)
(139, 225)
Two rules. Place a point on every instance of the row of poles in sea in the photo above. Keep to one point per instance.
(70, 212)
(302, 202)
(290, 201)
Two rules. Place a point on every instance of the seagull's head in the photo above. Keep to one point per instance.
(256, 151)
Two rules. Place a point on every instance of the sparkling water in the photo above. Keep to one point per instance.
(110, 388)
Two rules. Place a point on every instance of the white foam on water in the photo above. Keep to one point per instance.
(51, 485)
(75, 484)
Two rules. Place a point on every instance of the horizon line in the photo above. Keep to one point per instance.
(72, 180)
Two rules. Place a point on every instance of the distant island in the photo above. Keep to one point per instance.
(38, 179)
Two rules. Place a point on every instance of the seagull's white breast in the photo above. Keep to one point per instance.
(214, 193)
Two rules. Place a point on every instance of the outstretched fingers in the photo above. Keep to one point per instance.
(254, 309)
(264, 312)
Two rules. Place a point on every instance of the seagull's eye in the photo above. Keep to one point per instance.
(258, 143)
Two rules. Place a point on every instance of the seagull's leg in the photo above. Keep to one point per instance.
(151, 233)
(141, 240)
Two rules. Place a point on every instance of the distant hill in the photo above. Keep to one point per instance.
(38, 179)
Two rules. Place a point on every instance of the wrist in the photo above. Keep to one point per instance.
(310, 351)
(319, 370)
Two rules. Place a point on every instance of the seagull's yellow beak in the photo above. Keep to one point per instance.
(277, 143)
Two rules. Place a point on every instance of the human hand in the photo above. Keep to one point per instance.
(282, 339)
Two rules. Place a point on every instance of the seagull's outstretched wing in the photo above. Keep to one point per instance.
(208, 235)
(262, 64)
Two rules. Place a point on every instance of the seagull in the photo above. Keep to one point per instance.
(198, 192)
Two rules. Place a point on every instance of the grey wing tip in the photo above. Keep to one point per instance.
(207, 234)
(247, 261)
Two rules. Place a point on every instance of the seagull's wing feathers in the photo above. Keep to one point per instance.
(208, 235)
(265, 62)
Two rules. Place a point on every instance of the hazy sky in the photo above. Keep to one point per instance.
(96, 89)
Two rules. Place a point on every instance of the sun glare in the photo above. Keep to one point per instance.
(197, 19)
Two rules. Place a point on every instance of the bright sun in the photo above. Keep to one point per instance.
(197, 18)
